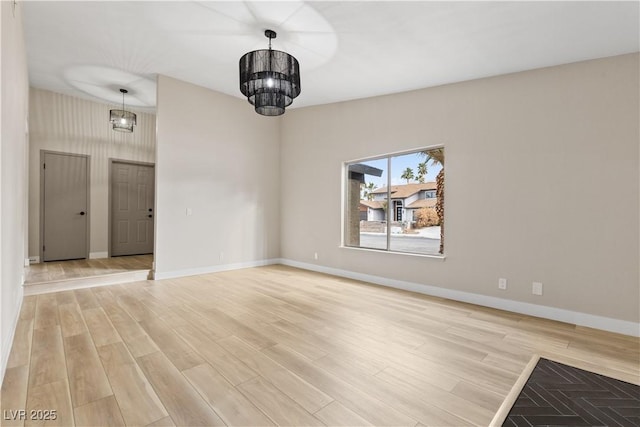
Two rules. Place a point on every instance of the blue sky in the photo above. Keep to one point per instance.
(398, 165)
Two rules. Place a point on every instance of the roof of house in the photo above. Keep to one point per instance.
(371, 204)
(406, 190)
(423, 203)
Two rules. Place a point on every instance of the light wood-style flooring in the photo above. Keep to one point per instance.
(63, 270)
(280, 346)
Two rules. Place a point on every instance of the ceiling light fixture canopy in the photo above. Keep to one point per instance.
(122, 120)
(270, 79)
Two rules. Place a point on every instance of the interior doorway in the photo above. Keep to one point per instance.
(64, 192)
(132, 192)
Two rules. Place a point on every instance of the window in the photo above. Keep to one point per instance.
(396, 203)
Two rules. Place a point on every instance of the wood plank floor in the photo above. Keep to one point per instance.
(280, 346)
(74, 269)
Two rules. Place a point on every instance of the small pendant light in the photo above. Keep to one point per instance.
(122, 120)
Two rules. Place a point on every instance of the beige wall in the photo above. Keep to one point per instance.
(14, 90)
(220, 159)
(542, 183)
(72, 125)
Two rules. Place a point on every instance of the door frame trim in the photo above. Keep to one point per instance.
(128, 162)
(41, 213)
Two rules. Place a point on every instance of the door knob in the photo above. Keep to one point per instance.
(82, 213)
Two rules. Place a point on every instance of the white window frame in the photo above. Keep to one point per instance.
(344, 210)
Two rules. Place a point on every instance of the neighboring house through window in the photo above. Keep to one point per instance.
(385, 187)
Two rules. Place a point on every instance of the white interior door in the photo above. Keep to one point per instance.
(132, 200)
(64, 206)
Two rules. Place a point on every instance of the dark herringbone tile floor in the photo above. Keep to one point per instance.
(561, 395)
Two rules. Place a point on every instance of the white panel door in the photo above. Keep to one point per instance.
(65, 202)
(132, 197)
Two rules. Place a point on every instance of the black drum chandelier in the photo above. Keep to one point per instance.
(270, 79)
(121, 120)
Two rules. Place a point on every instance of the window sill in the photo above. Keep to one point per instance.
(432, 256)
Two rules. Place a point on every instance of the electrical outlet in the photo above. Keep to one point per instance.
(188, 212)
(315, 256)
(221, 256)
(536, 289)
(502, 283)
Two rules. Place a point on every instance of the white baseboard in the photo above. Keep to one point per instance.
(35, 259)
(97, 255)
(213, 269)
(552, 313)
(6, 351)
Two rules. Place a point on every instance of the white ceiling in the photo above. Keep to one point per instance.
(346, 50)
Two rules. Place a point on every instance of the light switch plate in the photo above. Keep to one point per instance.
(536, 289)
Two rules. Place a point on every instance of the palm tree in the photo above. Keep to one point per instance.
(407, 174)
(367, 192)
(436, 157)
(422, 171)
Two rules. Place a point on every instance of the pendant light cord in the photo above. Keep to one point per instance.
(270, 35)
